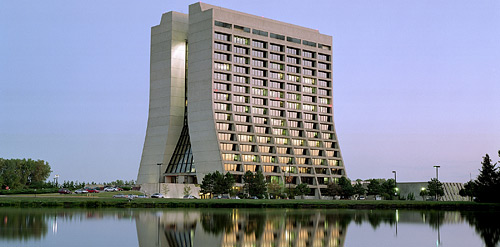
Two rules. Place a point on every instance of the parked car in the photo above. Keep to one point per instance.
(361, 198)
(81, 191)
(93, 190)
(64, 191)
(119, 196)
(110, 189)
(142, 196)
(130, 196)
(157, 195)
(189, 197)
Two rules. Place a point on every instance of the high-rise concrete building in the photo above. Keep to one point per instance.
(234, 92)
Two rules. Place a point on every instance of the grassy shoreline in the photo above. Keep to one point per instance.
(107, 202)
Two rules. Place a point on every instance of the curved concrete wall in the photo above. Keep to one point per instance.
(167, 89)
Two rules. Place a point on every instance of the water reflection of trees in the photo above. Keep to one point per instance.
(486, 224)
(307, 227)
(23, 226)
(34, 223)
(216, 222)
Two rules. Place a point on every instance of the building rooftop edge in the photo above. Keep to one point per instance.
(206, 6)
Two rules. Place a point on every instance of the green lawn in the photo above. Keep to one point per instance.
(105, 200)
(101, 194)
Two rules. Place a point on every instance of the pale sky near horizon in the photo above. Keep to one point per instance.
(416, 83)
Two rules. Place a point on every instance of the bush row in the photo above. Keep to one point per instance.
(29, 191)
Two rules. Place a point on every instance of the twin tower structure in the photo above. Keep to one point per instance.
(233, 92)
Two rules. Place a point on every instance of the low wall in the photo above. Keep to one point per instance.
(170, 190)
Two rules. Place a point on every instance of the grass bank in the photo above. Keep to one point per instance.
(103, 202)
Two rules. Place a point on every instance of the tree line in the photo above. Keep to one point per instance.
(486, 187)
(23, 173)
(255, 185)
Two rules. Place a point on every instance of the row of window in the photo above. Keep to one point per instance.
(285, 170)
(219, 77)
(280, 85)
(271, 103)
(274, 130)
(262, 53)
(274, 75)
(279, 160)
(271, 35)
(221, 116)
(278, 94)
(276, 113)
(249, 148)
(277, 140)
(272, 65)
(323, 125)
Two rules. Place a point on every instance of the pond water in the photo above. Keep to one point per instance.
(246, 227)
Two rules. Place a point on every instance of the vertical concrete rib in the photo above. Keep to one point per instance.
(166, 101)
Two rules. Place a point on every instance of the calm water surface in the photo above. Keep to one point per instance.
(246, 227)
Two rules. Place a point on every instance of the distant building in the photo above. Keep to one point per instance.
(233, 92)
(450, 191)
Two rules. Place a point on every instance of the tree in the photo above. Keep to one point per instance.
(302, 189)
(207, 185)
(17, 173)
(374, 187)
(488, 182)
(347, 189)
(274, 188)
(389, 189)
(435, 188)
(359, 189)
(469, 190)
(216, 183)
(333, 189)
(219, 183)
(255, 184)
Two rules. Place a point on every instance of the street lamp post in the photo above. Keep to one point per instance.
(395, 184)
(437, 178)
(437, 173)
(159, 175)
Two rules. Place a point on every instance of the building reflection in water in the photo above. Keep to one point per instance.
(234, 227)
(240, 227)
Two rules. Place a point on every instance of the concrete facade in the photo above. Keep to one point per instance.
(166, 99)
(259, 98)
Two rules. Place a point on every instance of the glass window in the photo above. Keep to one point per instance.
(222, 24)
(240, 50)
(309, 43)
(221, 56)
(294, 40)
(277, 36)
(241, 40)
(259, 32)
(221, 46)
(276, 47)
(221, 36)
(241, 28)
(258, 44)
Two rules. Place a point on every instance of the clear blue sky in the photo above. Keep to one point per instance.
(416, 83)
